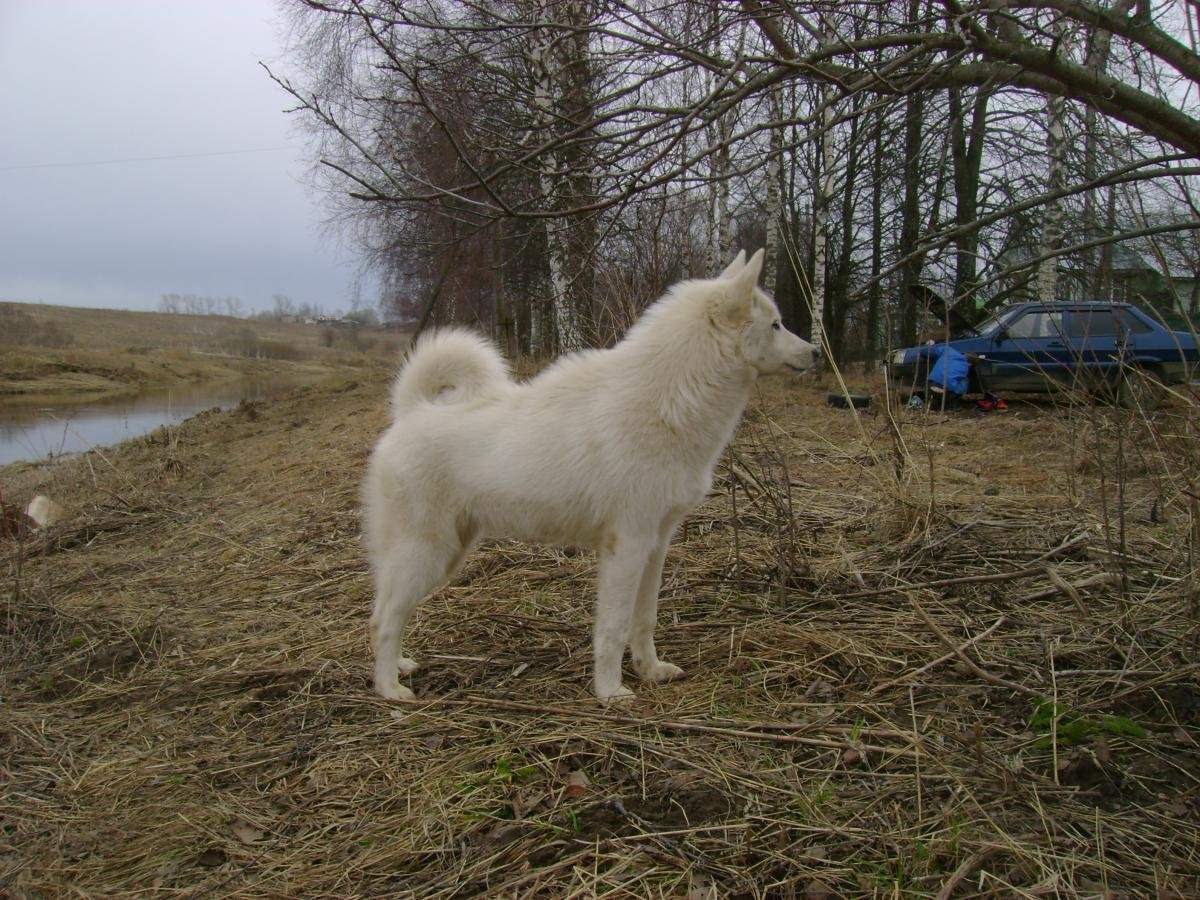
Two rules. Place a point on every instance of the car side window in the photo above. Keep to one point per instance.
(1037, 324)
(1086, 323)
(1133, 324)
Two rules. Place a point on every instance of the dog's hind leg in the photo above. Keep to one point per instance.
(645, 616)
(620, 574)
(408, 572)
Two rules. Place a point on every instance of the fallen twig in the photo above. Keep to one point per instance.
(1027, 572)
(880, 688)
(969, 865)
(961, 654)
(661, 724)
(1071, 590)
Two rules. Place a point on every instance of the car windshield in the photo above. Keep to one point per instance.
(987, 325)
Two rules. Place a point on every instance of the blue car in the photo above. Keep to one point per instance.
(1038, 347)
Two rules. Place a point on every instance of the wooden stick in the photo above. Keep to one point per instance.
(661, 724)
(961, 654)
(879, 688)
(1027, 572)
(1065, 587)
(969, 865)
(1071, 590)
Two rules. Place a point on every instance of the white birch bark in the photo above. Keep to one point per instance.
(720, 166)
(774, 191)
(1047, 274)
(543, 93)
(724, 213)
(821, 196)
(712, 238)
(1056, 149)
(559, 314)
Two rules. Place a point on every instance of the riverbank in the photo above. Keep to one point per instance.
(29, 376)
(55, 427)
(55, 353)
(871, 619)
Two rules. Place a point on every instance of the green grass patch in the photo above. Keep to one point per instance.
(1073, 728)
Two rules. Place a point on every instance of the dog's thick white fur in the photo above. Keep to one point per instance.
(606, 449)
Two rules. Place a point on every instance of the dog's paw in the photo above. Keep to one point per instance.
(659, 671)
(394, 690)
(406, 666)
(621, 694)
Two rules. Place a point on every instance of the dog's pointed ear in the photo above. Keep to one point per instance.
(747, 278)
(737, 298)
(735, 266)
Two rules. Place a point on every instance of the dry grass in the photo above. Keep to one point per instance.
(186, 707)
(123, 351)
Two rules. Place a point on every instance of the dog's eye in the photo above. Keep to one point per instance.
(776, 325)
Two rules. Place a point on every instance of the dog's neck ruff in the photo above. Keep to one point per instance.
(701, 384)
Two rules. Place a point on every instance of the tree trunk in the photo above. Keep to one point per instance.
(559, 60)
(577, 92)
(1047, 276)
(1096, 61)
(967, 154)
(910, 216)
(724, 235)
(712, 241)
(1056, 153)
(503, 326)
(821, 197)
(820, 217)
(1104, 273)
(774, 191)
(875, 293)
(840, 283)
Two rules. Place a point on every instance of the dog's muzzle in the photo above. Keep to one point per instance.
(815, 358)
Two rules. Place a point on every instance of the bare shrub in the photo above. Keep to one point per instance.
(241, 342)
(269, 348)
(354, 340)
(246, 342)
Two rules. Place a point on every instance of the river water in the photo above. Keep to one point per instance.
(39, 430)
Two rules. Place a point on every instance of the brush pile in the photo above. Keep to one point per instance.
(926, 656)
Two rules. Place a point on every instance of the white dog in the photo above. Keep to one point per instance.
(607, 449)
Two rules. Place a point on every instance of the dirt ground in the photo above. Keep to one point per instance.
(185, 705)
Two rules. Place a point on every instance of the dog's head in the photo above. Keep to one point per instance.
(744, 312)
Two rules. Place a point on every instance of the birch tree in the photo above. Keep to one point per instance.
(821, 196)
(1056, 152)
(553, 142)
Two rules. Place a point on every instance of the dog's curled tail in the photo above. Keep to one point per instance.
(450, 365)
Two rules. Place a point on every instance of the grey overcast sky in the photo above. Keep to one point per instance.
(86, 81)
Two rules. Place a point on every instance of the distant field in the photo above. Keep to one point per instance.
(47, 350)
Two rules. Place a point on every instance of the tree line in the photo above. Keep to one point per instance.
(542, 168)
(283, 308)
(196, 305)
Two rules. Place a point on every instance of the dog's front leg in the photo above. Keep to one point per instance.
(620, 574)
(645, 616)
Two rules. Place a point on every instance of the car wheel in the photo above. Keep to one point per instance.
(1140, 389)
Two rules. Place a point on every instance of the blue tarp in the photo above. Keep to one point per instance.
(951, 369)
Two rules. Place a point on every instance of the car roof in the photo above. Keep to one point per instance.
(1073, 304)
